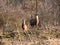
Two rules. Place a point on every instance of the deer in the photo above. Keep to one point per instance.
(24, 25)
(34, 21)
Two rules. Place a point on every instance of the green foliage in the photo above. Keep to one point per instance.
(10, 35)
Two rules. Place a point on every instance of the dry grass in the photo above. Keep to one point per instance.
(47, 33)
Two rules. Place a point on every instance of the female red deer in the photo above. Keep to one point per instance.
(34, 21)
(24, 26)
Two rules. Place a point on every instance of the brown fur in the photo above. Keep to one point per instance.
(24, 26)
(34, 21)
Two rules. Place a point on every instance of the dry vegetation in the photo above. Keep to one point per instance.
(13, 11)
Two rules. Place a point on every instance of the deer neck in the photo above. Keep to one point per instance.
(36, 17)
(24, 22)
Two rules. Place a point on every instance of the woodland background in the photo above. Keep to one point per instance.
(13, 11)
